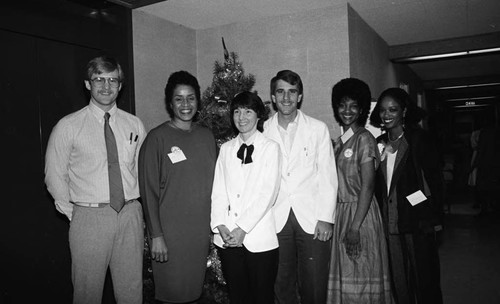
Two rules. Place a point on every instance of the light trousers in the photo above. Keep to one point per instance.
(100, 238)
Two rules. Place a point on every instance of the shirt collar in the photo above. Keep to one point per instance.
(99, 113)
(347, 135)
(292, 124)
(248, 141)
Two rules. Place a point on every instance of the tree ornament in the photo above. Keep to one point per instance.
(228, 80)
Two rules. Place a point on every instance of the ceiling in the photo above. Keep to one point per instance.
(409, 27)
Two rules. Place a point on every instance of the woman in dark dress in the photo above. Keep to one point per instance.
(408, 187)
(176, 169)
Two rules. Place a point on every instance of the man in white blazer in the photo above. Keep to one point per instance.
(304, 209)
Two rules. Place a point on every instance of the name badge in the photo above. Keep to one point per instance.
(176, 155)
(416, 198)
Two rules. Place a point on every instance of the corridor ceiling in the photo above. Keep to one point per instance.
(409, 27)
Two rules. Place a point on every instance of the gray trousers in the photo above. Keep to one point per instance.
(100, 237)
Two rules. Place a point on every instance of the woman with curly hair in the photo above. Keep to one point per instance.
(359, 268)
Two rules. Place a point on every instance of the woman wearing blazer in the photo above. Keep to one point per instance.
(408, 187)
(246, 184)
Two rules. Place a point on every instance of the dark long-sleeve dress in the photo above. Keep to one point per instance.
(175, 194)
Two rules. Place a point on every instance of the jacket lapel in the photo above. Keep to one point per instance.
(272, 132)
(235, 168)
(301, 137)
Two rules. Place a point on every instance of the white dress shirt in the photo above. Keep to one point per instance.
(76, 165)
(243, 194)
(309, 174)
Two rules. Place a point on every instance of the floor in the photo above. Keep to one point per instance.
(470, 253)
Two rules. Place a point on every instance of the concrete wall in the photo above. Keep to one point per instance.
(160, 48)
(369, 56)
(312, 43)
(369, 59)
(323, 46)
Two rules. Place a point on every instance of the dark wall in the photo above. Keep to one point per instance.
(44, 48)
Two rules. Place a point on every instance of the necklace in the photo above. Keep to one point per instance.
(393, 140)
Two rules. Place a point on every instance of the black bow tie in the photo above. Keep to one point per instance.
(241, 152)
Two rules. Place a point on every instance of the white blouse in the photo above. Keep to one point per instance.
(243, 194)
(391, 160)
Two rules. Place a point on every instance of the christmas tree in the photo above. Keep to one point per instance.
(229, 79)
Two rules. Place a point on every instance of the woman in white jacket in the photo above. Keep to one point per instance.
(246, 183)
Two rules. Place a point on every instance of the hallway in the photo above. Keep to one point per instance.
(470, 254)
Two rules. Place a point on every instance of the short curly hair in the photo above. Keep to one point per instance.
(180, 78)
(354, 89)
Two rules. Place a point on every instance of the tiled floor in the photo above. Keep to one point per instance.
(470, 254)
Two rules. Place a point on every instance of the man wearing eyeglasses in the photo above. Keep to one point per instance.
(91, 172)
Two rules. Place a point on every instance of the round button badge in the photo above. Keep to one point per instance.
(348, 153)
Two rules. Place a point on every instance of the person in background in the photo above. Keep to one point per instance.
(488, 168)
(359, 266)
(408, 187)
(305, 206)
(176, 169)
(76, 174)
(471, 182)
(246, 184)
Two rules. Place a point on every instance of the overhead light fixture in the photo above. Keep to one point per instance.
(483, 51)
(446, 55)
(468, 86)
(472, 106)
(472, 98)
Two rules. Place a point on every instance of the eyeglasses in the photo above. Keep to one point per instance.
(100, 81)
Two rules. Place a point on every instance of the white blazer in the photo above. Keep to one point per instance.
(309, 174)
(243, 195)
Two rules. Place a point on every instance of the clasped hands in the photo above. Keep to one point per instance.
(231, 238)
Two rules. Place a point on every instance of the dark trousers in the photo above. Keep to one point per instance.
(415, 268)
(303, 266)
(249, 276)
